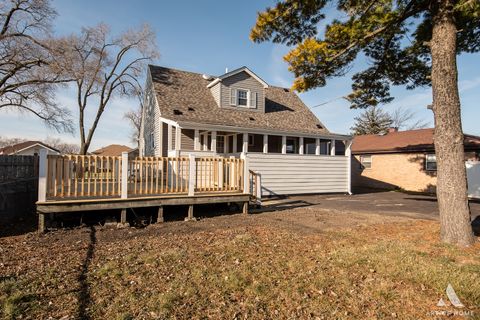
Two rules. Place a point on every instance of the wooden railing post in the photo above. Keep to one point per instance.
(192, 175)
(124, 175)
(42, 175)
(246, 176)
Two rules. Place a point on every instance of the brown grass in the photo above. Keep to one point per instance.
(379, 271)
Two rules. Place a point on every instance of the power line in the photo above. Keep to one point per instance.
(329, 101)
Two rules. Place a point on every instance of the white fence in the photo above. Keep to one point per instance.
(296, 174)
(473, 178)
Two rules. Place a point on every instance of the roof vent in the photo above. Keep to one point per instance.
(191, 109)
(286, 90)
(252, 119)
(177, 112)
(207, 77)
(319, 126)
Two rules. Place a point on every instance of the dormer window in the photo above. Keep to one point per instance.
(243, 98)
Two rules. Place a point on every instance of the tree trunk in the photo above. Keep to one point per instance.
(455, 224)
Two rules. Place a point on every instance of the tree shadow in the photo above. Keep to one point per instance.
(476, 226)
(84, 296)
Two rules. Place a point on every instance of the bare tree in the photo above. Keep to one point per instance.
(105, 67)
(29, 72)
(134, 118)
(62, 146)
(406, 119)
(4, 141)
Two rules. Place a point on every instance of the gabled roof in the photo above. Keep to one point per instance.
(112, 150)
(234, 72)
(184, 97)
(420, 140)
(16, 148)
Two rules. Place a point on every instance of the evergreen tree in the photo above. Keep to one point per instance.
(372, 121)
(407, 42)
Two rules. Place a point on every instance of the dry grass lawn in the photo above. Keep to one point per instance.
(388, 268)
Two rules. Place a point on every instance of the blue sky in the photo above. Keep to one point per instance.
(209, 36)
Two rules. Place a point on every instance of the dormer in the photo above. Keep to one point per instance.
(240, 89)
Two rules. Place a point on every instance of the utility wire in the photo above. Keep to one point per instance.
(327, 102)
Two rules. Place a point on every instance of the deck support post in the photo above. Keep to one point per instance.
(190, 216)
(123, 216)
(246, 174)
(332, 147)
(192, 175)
(348, 154)
(124, 175)
(42, 175)
(169, 138)
(41, 222)
(317, 146)
(245, 207)
(160, 215)
(284, 144)
(300, 147)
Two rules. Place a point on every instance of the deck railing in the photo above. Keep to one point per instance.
(91, 176)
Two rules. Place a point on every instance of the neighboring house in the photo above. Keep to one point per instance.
(27, 148)
(238, 114)
(115, 150)
(401, 159)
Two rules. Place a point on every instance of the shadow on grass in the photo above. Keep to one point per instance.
(84, 296)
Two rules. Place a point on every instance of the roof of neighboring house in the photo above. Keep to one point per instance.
(13, 149)
(403, 141)
(112, 150)
(187, 93)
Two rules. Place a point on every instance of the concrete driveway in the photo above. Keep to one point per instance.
(390, 203)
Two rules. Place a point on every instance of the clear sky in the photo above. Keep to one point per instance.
(209, 36)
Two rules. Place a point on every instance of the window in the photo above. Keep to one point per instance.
(292, 145)
(430, 162)
(242, 97)
(152, 141)
(365, 162)
(251, 140)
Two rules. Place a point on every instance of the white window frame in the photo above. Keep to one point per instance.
(427, 161)
(252, 98)
(362, 161)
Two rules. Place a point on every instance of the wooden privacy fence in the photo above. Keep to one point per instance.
(91, 176)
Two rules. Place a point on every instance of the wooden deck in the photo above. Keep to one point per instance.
(74, 183)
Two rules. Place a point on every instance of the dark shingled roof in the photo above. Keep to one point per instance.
(180, 90)
(420, 140)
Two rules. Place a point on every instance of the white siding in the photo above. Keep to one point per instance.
(296, 174)
(151, 122)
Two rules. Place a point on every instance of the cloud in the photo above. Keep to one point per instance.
(465, 85)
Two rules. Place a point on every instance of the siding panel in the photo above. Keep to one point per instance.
(242, 80)
(295, 174)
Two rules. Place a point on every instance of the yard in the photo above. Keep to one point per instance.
(308, 258)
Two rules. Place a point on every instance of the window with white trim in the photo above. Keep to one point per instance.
(366, 162)
(430, 162)
(243, 98)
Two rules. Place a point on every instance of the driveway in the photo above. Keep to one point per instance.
(391, 203)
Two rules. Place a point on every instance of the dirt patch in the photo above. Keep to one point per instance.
(304, 262)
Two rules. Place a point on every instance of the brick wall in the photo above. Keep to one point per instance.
(400, 170)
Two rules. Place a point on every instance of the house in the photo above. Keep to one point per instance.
(115, 150)
(28, 148)
(401, 159)
(238, 114)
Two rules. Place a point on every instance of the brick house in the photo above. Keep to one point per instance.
(401, 159)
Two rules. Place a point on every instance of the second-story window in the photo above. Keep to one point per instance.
(242, 96)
